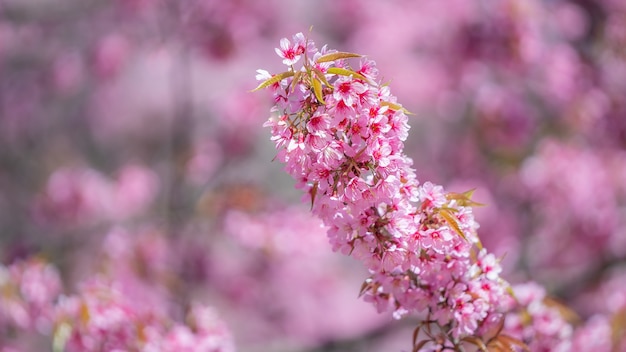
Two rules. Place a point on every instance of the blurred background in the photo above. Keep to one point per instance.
(131, 149)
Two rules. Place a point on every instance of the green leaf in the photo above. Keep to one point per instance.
(464, 199)
(469, 193)
(452, 221)
(296, 79)
(322, 77)
(396, 107)
(61, 336)
(346, 72)
(336, 56)
(274, 79)
(511, 293)
(317, 89)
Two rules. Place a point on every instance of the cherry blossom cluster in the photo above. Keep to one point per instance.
(538, 320)
(340, 134)
(83, 196)
(570, 211)
(273, 232)
(545, 324)
(28, 290)
(600, 334)
(102, 318)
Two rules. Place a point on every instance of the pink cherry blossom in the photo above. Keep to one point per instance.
(28, 292)
(414, 239)
(291, 53)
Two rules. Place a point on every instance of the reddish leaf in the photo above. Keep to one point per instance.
(476, 342)
(512, 342)
(313, 193)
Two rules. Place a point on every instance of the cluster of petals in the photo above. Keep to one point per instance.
(102, 318)
(598, 335)
(83, 196)
(28, 290)
(561, 179)
(341, 136)
(539, 321)
(273, 232)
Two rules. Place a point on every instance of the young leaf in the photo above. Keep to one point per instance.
(476, 342)
(469, 193)
(345, 72)
(336, 56)
(396, 107)
(492, 331)
(511, 293)
(83, 313)
(274, 79)
(317, 89)
(451, 220)
(618, 327)
(464, 199)
(61, 335)
(496, 346)
(500, 326)
(322, 77)
(296, 79)
(512, 342)
(366, 285)
(313, 193)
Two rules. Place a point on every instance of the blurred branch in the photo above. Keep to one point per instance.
(47, 12)
(178, 145)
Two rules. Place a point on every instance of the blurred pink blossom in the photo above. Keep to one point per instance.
(28, 292)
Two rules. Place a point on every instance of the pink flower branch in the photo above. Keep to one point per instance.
(340, 134)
